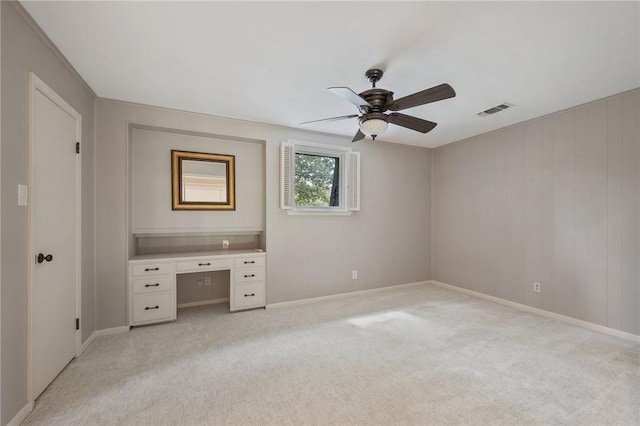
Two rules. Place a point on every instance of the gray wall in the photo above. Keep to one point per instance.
(307, 256)
(23, 49)
(554, 200)
(151, 184)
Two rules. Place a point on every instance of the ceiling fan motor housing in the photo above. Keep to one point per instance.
(377, 98)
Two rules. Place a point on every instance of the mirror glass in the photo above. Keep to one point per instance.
(202, 181)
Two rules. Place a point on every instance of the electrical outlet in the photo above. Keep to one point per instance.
(225, 244)
(354, 275)
(536, 287)
(199, 282)
(207, 280)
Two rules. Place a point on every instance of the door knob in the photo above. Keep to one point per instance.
(41, 258)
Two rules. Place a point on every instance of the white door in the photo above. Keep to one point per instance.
(54, 234)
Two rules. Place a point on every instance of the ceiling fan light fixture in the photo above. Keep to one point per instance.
(374, 127)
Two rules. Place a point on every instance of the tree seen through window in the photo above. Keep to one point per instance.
(317, 180)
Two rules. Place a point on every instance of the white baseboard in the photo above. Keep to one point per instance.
(542, 312)
(341, 295)
(103, 332)
(110, 331)
(22, 414)
(87, 343)
(202, 302)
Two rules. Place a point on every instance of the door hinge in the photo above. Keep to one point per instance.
(77, 147)
(77, 323)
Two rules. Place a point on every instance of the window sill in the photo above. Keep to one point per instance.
(293, 212)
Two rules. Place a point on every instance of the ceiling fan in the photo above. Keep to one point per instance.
(374, 102)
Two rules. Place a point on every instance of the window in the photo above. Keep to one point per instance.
(319, 179)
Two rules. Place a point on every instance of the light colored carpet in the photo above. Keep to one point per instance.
(416, 355)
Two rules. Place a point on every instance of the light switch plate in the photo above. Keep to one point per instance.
(22, 195)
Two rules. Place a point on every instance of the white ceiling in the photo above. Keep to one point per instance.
(271, 62)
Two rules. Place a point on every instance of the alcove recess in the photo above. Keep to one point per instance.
(155, 228)
(155, 244)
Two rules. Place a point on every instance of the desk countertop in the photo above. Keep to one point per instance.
(193, 254)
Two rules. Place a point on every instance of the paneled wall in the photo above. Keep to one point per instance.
(554, 200)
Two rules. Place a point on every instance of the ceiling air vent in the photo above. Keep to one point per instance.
(495, 109)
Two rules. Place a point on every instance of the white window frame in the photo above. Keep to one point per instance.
(349, 177)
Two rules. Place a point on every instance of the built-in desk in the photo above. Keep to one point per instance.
(152, 281)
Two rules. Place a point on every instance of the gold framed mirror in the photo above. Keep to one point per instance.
(201, 181)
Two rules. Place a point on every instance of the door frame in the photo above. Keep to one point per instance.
(37, 85)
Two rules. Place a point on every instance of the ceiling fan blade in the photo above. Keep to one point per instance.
(358, 136)
(413, 123)
(350, 96)
(342, 117)
(437, 93)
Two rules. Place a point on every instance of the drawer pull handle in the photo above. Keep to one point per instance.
(151, 269)
(250, 276)
(151, 307)
(249, 295)
(246, 261)
(204, 264)
(152, 285)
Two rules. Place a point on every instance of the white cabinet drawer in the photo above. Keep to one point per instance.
(153, 307)
(248, 295)
(204, 265)
(152, 284)
(249, 262)
(249, 274)
(152, 269)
